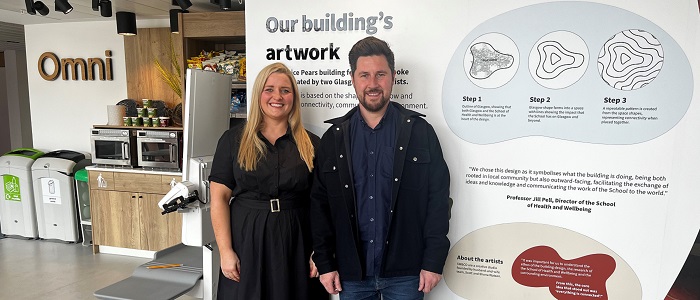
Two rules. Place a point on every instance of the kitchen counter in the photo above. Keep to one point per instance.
(133, 170)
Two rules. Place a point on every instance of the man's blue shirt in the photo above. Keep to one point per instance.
(372, 153)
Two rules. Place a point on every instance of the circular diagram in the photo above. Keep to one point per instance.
(558, 59)
(491, 60)
(630, 60)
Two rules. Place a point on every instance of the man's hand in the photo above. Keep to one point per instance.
(428, 280)
(331, 281)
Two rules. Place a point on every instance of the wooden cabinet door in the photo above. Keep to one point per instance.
(115, 219)
(158, 231)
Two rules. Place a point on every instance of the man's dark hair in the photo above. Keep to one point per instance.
(370, 46)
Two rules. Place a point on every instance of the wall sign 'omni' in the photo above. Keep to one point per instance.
(75, 65)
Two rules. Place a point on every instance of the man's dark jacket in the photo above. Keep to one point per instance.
(419, 211)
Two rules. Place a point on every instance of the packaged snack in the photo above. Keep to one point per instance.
(241, 69)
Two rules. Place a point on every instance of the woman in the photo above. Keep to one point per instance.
(264, 168)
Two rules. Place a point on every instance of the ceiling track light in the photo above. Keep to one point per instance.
(36, 7)
(104, 6)
(184, 4)
(63, 6)
(225, 4)
(126, 23)
(174, 13)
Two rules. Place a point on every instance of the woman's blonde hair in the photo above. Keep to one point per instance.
(252, 148)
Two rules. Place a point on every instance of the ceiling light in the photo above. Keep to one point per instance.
(126, 23)
(225, 4)
(184, 4)
(106, 8)
(236, 5)
(174, 28)
(34, 7)
(63, 6)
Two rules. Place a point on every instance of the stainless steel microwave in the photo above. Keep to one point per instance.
(113, 147)
(159, 149)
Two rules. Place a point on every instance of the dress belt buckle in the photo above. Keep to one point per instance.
(275, 205)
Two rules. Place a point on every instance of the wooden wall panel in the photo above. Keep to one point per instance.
(143, 79)
(213, 24)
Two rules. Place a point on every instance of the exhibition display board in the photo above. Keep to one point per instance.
(569, 127)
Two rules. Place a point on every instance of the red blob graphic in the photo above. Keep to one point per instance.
(576, 279)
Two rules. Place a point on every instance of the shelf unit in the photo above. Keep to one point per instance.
(224, 30)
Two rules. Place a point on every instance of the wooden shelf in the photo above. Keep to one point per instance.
(238, 85)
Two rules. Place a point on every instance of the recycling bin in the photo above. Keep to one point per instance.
(55, 197)
(82, 189)
(17, 212)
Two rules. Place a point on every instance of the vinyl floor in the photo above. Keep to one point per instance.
(43, 269)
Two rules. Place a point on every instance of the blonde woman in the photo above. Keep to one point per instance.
(260, 183)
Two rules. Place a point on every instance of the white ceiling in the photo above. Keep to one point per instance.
(13, 15)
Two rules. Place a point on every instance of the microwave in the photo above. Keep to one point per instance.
(159, 149)
(116, 147)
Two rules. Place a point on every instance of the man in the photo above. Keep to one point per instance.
(380, 197)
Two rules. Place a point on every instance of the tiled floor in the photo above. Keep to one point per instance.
(40, 269)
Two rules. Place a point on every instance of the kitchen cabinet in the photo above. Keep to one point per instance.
(125, 213)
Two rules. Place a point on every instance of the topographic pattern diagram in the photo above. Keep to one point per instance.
(630, 60)
(487, 60)
(555, 59)
(558, 59)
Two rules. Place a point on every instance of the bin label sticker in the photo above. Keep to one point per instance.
(10, 185)
(51, 190)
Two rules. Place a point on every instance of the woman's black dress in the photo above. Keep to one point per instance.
(273, 247)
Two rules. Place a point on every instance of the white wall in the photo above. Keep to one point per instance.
(63, 111)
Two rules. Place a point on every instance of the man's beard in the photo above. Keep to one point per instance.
(371, 107)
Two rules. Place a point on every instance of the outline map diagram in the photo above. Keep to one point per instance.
(586, 81)
(488, 60)
(491, 61)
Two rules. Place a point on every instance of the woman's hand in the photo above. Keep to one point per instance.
(231, 266)
(312, 267)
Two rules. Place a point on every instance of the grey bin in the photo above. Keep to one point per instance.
(55, 194)
(17, 213)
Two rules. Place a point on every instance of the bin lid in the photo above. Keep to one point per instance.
(26, 152)
(81, 175)
(65, 154)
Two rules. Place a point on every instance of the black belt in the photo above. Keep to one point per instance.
(274, 204)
